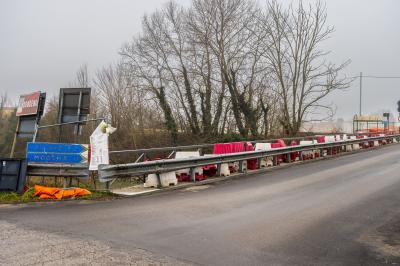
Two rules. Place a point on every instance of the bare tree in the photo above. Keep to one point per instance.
(3, 103)
(124, 104)
(298, 64)
(227, 66)
(8, 123)
(145, 66)
(81, 79)
(229, 30)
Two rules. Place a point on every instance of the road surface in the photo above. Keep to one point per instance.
(341, 211)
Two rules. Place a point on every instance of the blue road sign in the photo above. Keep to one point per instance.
(56, 158)
(38, 152)
(55, 147)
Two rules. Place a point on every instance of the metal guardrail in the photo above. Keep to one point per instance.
(199, 146)
(59, 170)
(108, 172)
(142, 154)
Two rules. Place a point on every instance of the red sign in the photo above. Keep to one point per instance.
(28, 104)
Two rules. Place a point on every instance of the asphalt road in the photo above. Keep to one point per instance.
(341, 211)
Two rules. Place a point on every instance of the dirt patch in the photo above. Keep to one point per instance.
(197, 188)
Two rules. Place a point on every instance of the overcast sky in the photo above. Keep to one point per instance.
(43, 43)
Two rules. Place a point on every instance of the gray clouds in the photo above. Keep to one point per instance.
(44, 42)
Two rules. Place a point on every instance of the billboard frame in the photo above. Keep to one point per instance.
(81, 109)
(34, 117)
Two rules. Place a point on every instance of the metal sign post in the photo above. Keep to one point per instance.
(29, 111)
(62, 124)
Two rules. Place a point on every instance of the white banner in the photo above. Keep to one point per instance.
(99, 147)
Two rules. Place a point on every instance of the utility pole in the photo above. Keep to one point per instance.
(360, 91)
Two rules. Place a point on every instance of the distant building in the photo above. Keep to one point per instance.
(374, 123)
(360, 124)
(338, 126)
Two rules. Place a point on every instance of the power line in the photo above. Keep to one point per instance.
(361, 76)
(377, 77)
(382, 77)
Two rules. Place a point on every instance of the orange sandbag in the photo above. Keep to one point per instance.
(68, 193)
(45, 196)
(58, 193)
(45, 190)
(82, 192)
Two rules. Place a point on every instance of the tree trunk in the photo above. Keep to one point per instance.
(169, 119)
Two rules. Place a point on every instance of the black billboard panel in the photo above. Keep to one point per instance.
(74, 104)
(26, 127)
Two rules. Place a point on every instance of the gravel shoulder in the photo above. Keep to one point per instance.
(21, 246)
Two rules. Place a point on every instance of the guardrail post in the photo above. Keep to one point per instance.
(108, 185)
(241, 167)
(193, 174)
(65, 182)
(275, 160)
(159, 180)
(218, 169)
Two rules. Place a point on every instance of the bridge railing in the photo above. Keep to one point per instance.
(109, 172)
(141, 155)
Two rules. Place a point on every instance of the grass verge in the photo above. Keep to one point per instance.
(12, 197)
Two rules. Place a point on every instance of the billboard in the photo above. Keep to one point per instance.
(28, 104)
(74, 104)
(29, 111)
